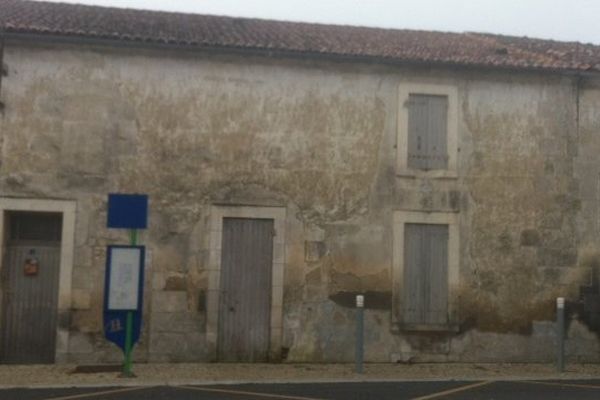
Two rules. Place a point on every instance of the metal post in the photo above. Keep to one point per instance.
(128, 345)
(560, 334)
(360, 302)
(133, 233)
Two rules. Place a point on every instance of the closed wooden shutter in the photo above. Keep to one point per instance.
(425, 274)
(427, 132)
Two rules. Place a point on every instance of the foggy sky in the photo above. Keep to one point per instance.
(575, 20)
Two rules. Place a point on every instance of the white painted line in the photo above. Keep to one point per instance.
(103, 392)
(245, 393)
(452, 391)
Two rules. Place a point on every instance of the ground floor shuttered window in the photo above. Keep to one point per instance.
(425, 300)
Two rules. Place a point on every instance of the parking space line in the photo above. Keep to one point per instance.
(245, 393)
(452, 391)
(576, 385)
(103, 392)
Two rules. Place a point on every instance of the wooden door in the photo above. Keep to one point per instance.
(245, 284)
(30, 275)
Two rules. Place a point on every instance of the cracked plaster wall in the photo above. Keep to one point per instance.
(318, 138)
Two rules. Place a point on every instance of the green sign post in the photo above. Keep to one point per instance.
(124, 283)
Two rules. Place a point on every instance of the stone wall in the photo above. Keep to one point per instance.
(318, 138)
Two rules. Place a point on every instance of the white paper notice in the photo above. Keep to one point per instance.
(124, 279)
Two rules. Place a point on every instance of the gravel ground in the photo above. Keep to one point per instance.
(154, 374)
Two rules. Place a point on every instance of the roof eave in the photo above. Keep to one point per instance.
(36, 37)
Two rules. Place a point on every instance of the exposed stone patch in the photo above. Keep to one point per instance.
(482, 313)
(202, 301)
(530, 237)
(314, 277)
(176, 283)
(314, 251)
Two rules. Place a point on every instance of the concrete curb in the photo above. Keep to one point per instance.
(118, 383)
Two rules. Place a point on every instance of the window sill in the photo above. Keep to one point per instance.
(433, 174)
(449, 328)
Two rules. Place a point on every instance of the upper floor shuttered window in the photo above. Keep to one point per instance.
(427, 132)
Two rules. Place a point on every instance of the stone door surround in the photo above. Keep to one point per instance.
(218, 212)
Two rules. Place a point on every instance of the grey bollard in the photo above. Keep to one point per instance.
(360, 303)
(560, 334)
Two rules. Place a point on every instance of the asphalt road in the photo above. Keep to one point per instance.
(447, 390)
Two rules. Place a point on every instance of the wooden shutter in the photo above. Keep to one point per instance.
(425, 274)
(427, 132)
(437, 304)
(414, 276)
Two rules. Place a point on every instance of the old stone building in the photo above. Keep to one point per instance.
(453, 179)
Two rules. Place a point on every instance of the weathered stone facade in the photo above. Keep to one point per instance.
(319, 139)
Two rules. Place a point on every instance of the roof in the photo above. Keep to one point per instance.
(219, 32)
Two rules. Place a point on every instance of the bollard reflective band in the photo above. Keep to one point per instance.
(360, 301)
(560, 302)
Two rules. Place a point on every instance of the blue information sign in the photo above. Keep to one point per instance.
(129, 211)
(123, 292)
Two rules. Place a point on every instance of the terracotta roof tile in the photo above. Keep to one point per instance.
(204, 31)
